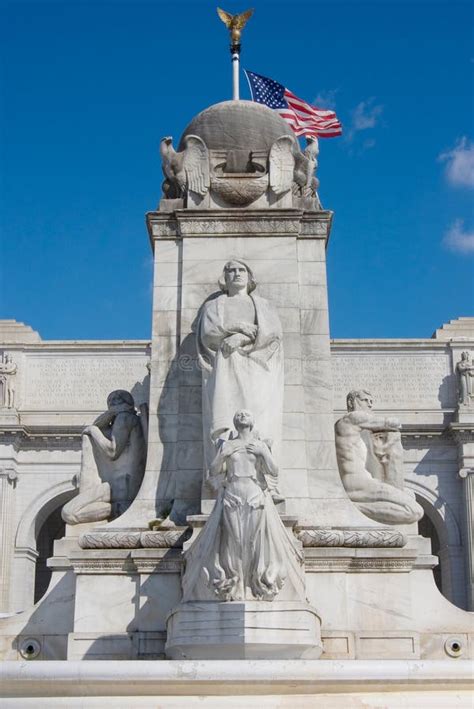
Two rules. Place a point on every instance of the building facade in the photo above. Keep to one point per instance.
(51, 389)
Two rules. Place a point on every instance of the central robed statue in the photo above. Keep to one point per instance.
(239, 343)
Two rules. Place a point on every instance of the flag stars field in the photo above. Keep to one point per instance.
(303, 118)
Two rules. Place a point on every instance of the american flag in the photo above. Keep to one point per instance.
(303, 118)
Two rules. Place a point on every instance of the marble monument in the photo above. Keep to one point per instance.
(247, 516)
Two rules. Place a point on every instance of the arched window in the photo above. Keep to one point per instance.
(35, 533)
(427, 529)
(52, 528)
(440, 526)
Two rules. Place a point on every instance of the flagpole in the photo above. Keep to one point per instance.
(235, 25)
(235, 53)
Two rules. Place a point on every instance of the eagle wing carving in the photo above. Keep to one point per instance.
(281, 164)
(196, 165)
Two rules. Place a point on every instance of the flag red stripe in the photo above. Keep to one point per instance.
(301, 105)
(320, 119)
(311, 120)
(311, 126)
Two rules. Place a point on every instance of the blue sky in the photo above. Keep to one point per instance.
(88, 89)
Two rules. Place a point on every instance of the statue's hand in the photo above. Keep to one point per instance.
(232, 343)
(256, 447)
(246, 328)
(393, 424)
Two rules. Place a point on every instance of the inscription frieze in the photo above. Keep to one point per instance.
(403, 381)
(71, 382)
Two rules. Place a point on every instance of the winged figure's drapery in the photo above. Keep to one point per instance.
(244, 550)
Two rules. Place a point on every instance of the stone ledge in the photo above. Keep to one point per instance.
(126, 561)
(240, 677)
(184, 223)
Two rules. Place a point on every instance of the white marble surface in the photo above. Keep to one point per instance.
(243, 630)
(46, 465)
(303, 683)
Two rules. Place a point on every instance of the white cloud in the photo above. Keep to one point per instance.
(365, 115)
(459, 239)
(460, 163)
(326, 99)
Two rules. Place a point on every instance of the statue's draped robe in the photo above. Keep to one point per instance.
(250, 378)
(244, 550)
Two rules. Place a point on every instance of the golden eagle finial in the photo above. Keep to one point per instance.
(235, 23)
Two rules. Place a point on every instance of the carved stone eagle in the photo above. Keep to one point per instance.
(235, 23)
(186, 170)
(305, 165)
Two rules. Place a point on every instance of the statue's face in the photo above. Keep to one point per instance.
(236, 276)
(243, 419)
(363, 402)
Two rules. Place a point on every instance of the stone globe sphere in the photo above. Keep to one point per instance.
(238, 125)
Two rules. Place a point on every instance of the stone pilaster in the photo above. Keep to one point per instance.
(464, 435)
(468, 492)
(8, 479)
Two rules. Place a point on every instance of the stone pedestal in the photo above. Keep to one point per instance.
(243, 630)
(9, 417)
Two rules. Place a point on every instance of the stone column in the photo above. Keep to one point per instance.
(467, 475)
(8, 477)
(464, 435)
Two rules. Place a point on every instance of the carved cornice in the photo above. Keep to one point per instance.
(422, 429)
(357, 565)
(41, 437)
(461, 432)
(161, 561)
(173, 564)
(230, 222)
(104, 566)
(159, 566)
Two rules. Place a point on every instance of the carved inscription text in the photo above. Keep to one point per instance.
(76, 383)
(396, 380)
